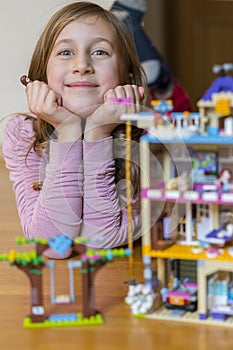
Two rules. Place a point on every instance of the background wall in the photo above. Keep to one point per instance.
(21, 23)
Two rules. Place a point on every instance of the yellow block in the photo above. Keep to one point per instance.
(222, 106)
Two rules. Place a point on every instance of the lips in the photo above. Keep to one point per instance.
(82, 84)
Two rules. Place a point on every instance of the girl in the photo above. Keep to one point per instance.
(61, 154)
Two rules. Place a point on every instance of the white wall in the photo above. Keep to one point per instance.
(21, 23)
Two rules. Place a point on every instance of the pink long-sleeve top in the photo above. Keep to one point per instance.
(79, 195)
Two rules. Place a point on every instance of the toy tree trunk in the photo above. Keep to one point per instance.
(88, 276)
(35, 276)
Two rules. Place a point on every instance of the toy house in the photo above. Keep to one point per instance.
(187, 219)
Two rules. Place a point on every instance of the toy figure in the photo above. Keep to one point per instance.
(224, 180)
(181, 183)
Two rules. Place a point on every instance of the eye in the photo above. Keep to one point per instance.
(100, 53)
(65, 53)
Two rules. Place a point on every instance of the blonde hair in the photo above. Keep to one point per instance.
(45, 44)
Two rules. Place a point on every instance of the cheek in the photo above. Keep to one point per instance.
(54, 78)
(53, 70)
(113, 77)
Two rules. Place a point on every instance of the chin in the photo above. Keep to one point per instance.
(83, 110)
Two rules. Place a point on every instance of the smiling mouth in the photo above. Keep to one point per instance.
(82, 84)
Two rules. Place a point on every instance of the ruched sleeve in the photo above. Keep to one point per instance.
(105, 212)
(57, 208)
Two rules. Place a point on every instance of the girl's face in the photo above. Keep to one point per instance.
(84, 63)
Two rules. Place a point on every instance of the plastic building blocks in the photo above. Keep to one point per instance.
(216, 104)
(188, 221)
(187, 217)
(33, 264)
(182, 296)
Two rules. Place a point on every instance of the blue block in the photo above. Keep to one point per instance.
(202, 316)
(63, 317)
(60, 243)
(218, 316)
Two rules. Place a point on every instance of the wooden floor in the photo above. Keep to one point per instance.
(120, 331)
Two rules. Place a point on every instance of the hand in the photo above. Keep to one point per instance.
(47, 105)
(101, 122)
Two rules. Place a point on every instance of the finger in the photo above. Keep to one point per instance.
(33, 94)
(37, 93)
(109, 95)
(53, 99)
(141, 91)
(140, 97)
(115, 98)
(46, 101)
(132, 92)
(136, 96)
(121, 91)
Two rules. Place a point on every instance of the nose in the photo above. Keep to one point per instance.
(82, 64)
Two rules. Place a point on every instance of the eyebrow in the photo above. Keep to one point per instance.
(70, 41)
(63, 41)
